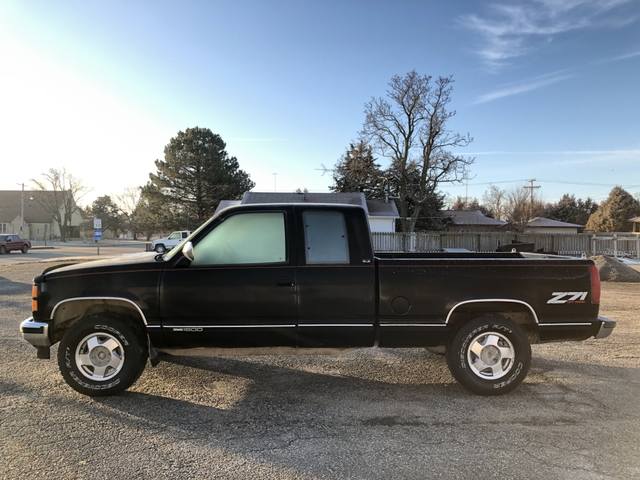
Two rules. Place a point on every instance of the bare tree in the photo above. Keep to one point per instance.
(61, 192)
(410, 128)
(521, 207)
(494, 201)
(128, 202)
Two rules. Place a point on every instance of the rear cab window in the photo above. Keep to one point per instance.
(325, 235)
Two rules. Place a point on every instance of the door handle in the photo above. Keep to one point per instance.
(285, 282)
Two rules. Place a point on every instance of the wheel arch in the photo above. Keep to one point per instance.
(69, 311)
(518, 311)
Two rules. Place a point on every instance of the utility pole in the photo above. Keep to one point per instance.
(22, 212)
(531, 187)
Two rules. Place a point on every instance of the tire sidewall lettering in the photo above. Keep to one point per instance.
(457, 358)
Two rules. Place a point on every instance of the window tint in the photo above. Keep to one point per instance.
(325, 238)
(244, 238)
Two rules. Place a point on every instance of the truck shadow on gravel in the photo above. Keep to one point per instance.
(9, 287)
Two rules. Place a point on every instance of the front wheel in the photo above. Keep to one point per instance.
(160, 248)
(101, 355)
(25, 248)
(490, 355)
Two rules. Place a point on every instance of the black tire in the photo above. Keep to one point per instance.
(495, 343)
(160, 248)
(25, 248)
(3, 249)
(101, 355)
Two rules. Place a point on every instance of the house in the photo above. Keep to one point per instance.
(38, 223)
(382, 215)
(472, 221)
(635, 221)
(546, 225)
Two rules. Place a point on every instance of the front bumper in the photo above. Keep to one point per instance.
(36, 333)
(606, 327)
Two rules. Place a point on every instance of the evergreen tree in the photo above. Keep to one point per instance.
(108, 212)
(357, 171)
(570, 210)
(614, 213)
(195, 175)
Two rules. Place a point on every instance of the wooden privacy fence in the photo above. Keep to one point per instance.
(617, 244)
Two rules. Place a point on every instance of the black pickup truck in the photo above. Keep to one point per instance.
(303, 278)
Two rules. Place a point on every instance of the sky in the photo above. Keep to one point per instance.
(548, 89)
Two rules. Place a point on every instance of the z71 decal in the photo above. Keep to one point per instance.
(568, 297)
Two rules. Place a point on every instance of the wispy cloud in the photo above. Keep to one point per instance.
(510, 30)
(522, 87)
(619, 58)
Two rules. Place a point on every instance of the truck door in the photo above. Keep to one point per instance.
(336, 284)
(240, 289)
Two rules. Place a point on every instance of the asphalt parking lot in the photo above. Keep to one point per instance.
(366, 414)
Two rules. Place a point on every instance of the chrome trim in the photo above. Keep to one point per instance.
(413, 324)
(37, 339)
(336, 325)
(228, 326)
(606, 327)
(75, 299)
(491, 300)
(565, 324)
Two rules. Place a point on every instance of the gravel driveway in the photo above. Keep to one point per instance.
(367, 414)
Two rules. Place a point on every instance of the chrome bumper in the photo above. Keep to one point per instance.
(36, 333)
(606, 327)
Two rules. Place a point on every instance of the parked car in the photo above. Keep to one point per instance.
(11, 242)
(303, 278)
(163, 244)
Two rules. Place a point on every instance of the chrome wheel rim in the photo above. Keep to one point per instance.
(491, 355)
(99, 356)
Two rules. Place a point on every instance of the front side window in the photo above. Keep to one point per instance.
(245, 238)
(325, 238)
(174, 236)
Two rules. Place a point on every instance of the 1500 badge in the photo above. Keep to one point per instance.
(568, 297)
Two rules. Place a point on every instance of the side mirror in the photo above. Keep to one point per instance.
(187, 251)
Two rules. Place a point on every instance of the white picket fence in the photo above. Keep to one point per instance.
(616, 244)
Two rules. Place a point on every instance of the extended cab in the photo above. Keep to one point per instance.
(163, 244)
(10, 242)
(303, 278)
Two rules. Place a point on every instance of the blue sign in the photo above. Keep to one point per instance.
(97, 235)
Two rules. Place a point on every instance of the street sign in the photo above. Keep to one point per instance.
(97, 235)
(97, 224)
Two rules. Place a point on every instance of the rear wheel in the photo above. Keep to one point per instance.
(101, 355)
(3, 249)
(490, 355)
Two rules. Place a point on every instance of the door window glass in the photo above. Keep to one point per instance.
(326, 238)
(244, 238)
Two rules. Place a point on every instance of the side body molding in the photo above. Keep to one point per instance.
(492, 300)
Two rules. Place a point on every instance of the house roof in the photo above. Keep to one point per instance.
(634, 219)
(471, 217)
(541, 222)
(11, 205)
(374, 208)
